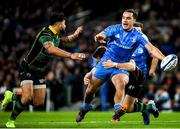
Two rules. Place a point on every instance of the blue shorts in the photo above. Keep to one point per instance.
(104, 74)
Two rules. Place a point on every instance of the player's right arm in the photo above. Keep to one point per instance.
(109, 31)
(100, 37)
(88, 76)
(129, 66)
(51, 49)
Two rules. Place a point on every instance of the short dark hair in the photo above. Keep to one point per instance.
(56, 17)
(138, 24)
(135, 13)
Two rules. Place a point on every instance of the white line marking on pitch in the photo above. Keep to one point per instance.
(95, 122)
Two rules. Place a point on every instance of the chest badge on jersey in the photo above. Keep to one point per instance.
(140, 50)
(117, 35)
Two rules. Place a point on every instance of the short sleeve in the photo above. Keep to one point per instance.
(44, 39)
(110, 30)
(143, 39)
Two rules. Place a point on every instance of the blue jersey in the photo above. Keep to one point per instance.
(140, 57)
(121, 43)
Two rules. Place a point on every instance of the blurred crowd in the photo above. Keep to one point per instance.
(21, 20)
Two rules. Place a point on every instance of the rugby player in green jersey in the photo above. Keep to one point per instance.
(33, 67)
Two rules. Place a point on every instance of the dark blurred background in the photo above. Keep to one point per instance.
(20, 20)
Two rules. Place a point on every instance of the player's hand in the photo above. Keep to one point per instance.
(87, 78)
(78, 31)
(78, 56)
(100, 38)
(109, 64)
(152, 73)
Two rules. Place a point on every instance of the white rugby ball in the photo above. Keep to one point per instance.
(169, 62)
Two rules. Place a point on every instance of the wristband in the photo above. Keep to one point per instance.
(70, 37)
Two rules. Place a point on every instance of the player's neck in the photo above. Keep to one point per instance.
(128, 30)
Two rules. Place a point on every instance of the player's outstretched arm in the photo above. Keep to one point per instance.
(51, 49)
(73, 36)
(154, 51)
(154, 63)
(129, 66)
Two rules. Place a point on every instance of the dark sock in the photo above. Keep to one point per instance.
(18, 108)
(119, 114)
(139, 107)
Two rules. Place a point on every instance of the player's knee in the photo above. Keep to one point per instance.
(38, 103)
(91, 88)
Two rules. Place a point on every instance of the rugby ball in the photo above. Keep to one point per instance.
(169, 62)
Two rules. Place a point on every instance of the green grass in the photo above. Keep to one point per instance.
(92, 120)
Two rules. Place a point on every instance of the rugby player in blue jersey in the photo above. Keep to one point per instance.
(134, 88)
(122, 40)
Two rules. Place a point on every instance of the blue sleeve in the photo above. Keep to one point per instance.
(143, 39)
(110, 30)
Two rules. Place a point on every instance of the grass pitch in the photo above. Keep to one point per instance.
(92, 120)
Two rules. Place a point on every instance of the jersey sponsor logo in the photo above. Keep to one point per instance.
(120, 45)
(41, 80)
(131, 87)
(140, 85)
(28, 75)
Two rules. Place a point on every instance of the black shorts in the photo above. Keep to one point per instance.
(27, 75)
(135, 86)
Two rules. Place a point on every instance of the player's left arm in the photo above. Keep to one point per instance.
(73, 36)
(154, 63)
(154, 51)
(129, 66)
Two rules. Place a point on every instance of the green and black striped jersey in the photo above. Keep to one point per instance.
(38, 58)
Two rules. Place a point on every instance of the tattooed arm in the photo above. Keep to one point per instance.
(51, 49)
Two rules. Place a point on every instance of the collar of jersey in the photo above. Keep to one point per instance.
(52, 29)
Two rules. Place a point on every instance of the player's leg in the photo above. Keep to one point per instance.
(8, 97)
(21, 102)
(99, 75)
(39, 89)
(39, 94)
(104, 95)
(91, 89)
(127, 106)
(119, 80)
(136, 92)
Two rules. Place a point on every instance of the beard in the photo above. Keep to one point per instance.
(63, 31)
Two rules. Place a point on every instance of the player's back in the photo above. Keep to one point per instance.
(38, 57)
(140, 56)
